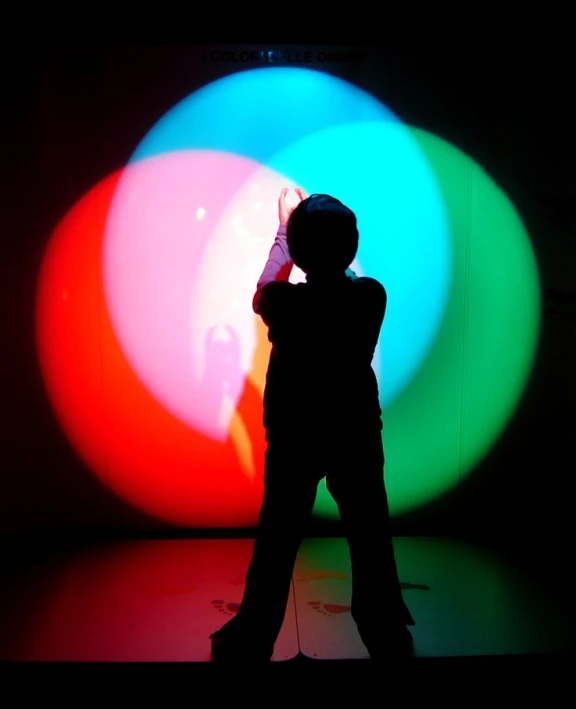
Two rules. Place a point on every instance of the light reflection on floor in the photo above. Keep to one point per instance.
(159, 600)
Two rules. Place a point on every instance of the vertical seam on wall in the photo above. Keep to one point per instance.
(296, 614)
(468, 236)
(102, 304)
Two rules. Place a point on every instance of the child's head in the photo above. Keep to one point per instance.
(322, 235)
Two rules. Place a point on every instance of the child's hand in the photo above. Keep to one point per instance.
(284, 209)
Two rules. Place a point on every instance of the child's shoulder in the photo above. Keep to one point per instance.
(368, 283)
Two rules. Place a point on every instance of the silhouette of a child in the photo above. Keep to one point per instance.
(322, 418)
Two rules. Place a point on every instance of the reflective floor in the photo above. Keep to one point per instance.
(158, 601)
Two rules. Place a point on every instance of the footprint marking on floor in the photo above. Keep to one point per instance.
(226, 608)
(328, 608)
(332, 609)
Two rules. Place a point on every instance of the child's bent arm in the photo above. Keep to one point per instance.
(277, 268)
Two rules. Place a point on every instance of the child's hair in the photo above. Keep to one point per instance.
(322, 235)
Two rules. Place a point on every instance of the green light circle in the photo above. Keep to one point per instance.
(460, 401)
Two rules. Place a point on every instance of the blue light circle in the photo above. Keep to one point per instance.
(259, 112)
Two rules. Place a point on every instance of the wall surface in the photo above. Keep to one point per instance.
(71, 120)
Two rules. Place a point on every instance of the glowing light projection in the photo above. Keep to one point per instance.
(160, 289)
(158, 381)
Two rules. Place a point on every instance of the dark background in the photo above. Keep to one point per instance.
(72, 115)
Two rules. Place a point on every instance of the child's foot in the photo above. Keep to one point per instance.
(395, 644)
(226, 650)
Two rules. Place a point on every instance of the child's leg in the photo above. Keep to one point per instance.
(289, 495)
(357, 485)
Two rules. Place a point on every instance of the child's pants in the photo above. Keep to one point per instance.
(353, 466)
